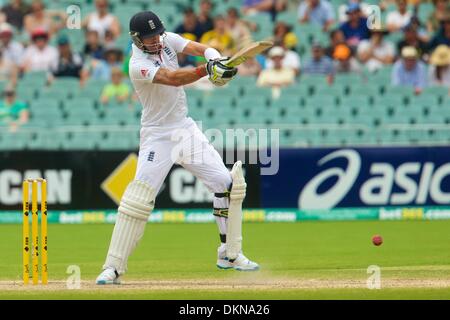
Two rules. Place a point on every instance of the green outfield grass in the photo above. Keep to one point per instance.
(335, 253)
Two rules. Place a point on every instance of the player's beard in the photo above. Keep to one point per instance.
(155, 49)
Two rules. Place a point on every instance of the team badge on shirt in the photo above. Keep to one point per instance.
(144, 72)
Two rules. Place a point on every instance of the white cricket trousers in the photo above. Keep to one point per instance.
(183, 144)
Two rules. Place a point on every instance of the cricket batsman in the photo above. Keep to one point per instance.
(158, 81)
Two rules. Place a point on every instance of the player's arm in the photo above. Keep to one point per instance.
(179, 77)
(197, 49)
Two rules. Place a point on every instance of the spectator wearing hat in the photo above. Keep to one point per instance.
(398, 19)
(93, 49)
(318, 12)
(69, 63)
(344, 62)
(12, 50)
(443, 35)
(319, 63)
(219, 38)
(278, 76)
(409, 70)
(14, 13)
(190, 28)
(39, 18)
(291, 59)
(13, 112)
(39, 56)
(376, 52)
(102, 20)
(116, 89)
(411, 39)
(439, 69)
(355, 29)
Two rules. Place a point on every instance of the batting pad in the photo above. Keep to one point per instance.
(234, 228)
(135, 207)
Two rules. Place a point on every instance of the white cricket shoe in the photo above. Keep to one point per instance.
(241, 263)
(108, 276)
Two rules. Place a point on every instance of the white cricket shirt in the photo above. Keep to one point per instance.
(162, 104)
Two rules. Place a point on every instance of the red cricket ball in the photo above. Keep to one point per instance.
(377, 240)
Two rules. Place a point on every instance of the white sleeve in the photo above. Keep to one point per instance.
(176, 41)
(143, 71)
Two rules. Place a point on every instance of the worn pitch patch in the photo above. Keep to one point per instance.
(195, 284)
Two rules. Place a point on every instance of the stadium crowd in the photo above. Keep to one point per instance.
(34, 39)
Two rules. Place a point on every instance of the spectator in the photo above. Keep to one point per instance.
(190, 29)
(336, 38)
(249, 68)
(344, 62)
(205, 21)
(396, 20)
(39, 18)
(238, 30)
(101, 20)
(69, 63)
(411, 39)
(409, 71)
(442, 36)
(441, 9)
(278, 76)
(318, 12)
(116, 90)
(219, 38)
(342, 9)
(8, 70)
(101, 69)
(15, 12)
(439, 70)
(12, 50)
(319, 63)
(13, 112)
(355, 29)
(93, 48)
(376, 52)
(283, 34)
(251, 7)
(421, 31)
(39, 56)
(109, 40)
(291, 60)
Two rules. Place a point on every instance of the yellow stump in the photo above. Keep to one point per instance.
(26, 233)
(34, 231)
(44, 231)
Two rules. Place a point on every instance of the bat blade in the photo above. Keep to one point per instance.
(249, 52)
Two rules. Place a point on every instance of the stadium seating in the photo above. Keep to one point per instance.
(357, 109)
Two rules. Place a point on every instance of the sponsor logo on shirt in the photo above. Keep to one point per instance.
(171, 54)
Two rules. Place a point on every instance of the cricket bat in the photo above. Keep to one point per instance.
(248, 52)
